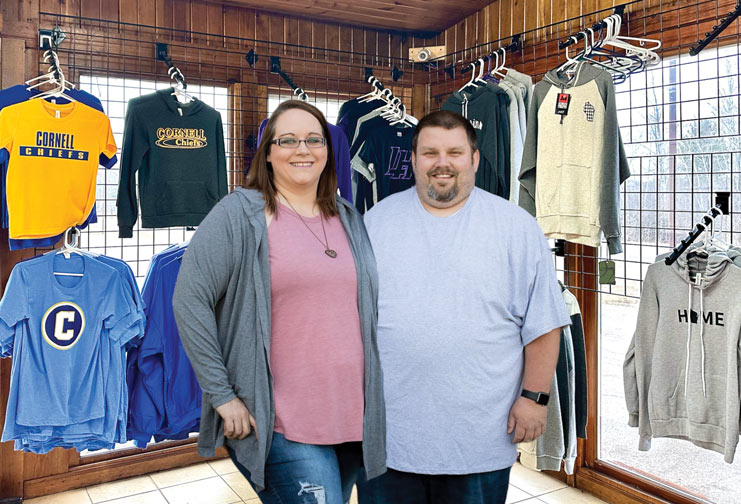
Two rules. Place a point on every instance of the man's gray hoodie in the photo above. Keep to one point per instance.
(681, 372)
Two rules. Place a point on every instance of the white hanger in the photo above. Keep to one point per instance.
(473, 77)
(480, 77)
(499, 66)
(614, 39)
(69, 247)
(375, 94)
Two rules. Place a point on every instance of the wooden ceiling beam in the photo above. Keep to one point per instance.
(402, 15)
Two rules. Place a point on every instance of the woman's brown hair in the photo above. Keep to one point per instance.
(260, 176)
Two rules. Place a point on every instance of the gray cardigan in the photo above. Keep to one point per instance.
(222, 309)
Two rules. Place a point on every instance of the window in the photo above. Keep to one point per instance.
(680, 125)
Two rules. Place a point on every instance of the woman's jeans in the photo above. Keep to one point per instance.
(298, 473)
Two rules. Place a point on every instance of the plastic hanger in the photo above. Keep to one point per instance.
(473, 76)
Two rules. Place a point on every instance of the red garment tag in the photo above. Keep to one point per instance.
(562, 104)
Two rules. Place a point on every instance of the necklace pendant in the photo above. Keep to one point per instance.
(331, 253)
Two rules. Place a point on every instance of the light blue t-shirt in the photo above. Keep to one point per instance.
(459, 298)
(69, 332)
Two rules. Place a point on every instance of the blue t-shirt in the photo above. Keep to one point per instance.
(66, 332)
(459, 298)
(165, 395)
(18, 94)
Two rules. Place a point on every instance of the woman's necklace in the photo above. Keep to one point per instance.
(331, 253)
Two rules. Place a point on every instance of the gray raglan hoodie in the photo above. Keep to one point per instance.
(222, 308)
(572, 169)
(681, 372)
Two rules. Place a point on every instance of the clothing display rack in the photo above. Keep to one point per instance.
(717, 29)
(700, 227)
(573, 39)
(276, 69)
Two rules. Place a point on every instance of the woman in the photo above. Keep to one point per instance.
(276, 308)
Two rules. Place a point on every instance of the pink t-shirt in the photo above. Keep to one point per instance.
(316, 350)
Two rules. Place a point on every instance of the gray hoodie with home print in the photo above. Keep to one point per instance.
(681, 372)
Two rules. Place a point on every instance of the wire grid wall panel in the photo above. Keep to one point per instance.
(115, 61)
(679, 124)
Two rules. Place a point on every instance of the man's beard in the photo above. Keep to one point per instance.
(444, 197)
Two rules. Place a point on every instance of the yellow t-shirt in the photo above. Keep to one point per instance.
(54, 153)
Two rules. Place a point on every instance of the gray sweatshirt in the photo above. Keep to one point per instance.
(681, 371)
(222, 309)
(578, 162)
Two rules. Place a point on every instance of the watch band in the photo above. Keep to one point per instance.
(538, 397)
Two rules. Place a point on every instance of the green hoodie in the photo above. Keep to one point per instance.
(178, 150)
(681, 372)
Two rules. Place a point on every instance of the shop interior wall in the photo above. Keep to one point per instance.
(203, 38)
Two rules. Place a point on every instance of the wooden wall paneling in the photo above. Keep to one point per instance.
(346, 41)
(146, 13)
(470, 31)
(371, 47)
(163, 15)
(231, 30)
(38, 466)
(332, 41)
(505, 18)
(518, 18)
(70, 7)
(460, 38)
(181, 19)
(358, 46)
(109, 10)
(276, 29)
(544, 18)
(494, 20)
(90, 8)
(10, 11)
(52, 6)
(530, 15)
(383, 46)
(420, 101)
(588, 6)
(198, 22)
(290, 33)
(318, 38)
(399, 49)
(128, 10)
(216, 24)
(305, 37)
(483, 26)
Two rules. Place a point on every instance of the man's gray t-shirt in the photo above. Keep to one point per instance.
(459, 298)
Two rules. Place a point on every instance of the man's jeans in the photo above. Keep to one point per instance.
(396, 487)
(298, 473)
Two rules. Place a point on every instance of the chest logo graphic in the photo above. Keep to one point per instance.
(709, 318)
(62, 325)
(181, 138)
(400, 164)
(476, 124)
(54, 145)
(589, 111)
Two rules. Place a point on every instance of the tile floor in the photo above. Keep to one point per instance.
(220, 483)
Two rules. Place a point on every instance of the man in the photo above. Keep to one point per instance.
(470, 313)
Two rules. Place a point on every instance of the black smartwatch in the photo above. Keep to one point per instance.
(538, 397)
